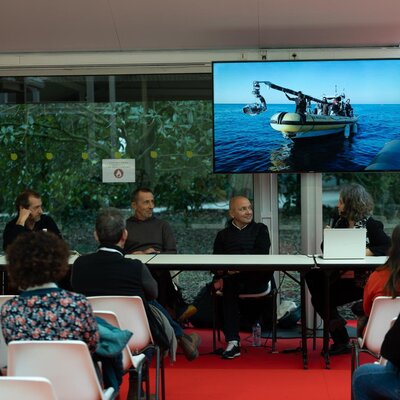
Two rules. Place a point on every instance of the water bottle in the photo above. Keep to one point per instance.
(257, 334)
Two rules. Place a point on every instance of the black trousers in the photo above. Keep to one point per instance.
(342, 291)
(234, 285)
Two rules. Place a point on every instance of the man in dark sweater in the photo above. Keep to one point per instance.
(150, 235)
(242, 236)
(30, 218)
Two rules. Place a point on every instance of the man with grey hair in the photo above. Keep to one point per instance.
(107, 272)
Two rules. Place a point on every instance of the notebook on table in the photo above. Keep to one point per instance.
(340, 244)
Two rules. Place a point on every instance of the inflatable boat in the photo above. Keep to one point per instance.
(297, 126)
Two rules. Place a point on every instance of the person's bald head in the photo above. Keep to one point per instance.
(241, 210)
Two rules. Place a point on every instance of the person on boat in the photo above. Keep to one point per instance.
(336, 105)
(301, 102)
(348, 109)
(325, 106)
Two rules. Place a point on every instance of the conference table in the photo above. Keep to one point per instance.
(330, 266)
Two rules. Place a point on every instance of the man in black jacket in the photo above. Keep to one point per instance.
(242, 236)
(30, 218)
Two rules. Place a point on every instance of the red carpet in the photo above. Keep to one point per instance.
(256, 374)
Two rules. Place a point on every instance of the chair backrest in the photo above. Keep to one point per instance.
(112, 319)
(66, 363)
(131, 315)
(3, 346)
(32, 388)
(384, 309)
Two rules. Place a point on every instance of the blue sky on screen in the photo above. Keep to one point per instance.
(363, 81)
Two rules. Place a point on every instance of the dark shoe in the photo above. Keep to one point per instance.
(339, 348)
(232, 350)
(336, 324)
(189, 344)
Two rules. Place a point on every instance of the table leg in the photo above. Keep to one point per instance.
(325, 348)
(303, 320)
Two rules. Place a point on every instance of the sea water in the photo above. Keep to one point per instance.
(245, 143)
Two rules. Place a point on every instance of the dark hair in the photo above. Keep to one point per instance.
(23, 198)
(110, 225)
(35, 258)
(393, 263)
(358, 203)
(135, 193)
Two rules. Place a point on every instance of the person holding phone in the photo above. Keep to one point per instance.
(29, 218)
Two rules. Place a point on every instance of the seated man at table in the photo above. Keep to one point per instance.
(29, 218)
(242, 236)
(107, 272)
(150, 235)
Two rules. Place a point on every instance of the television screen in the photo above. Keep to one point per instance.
(306, 116)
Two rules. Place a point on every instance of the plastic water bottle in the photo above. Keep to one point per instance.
(257, 334)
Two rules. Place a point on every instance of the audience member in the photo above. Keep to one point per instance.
(242, 236)
(43, 311)
(355, 207)
(384, 281)
(107, 272)
(376, 382)
(29, 217)
(150, 235)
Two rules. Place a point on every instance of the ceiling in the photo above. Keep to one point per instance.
(127, 25)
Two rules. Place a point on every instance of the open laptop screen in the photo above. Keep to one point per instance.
(344, 243)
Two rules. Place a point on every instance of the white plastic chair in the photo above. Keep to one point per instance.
(132, 316)
(32, 388)
(3, 346)
(129, 361)
(384, 310)
(66, 363)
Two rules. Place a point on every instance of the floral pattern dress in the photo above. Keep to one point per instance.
(49, 314)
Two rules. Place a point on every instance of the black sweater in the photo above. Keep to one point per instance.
(253, 239)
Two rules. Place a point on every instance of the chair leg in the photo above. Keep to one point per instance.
(147, 380)
(216, 326)
(158, 357)
(274, 320)
(139, 382)
(162, 379)
(353, 362)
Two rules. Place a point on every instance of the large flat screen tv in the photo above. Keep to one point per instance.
(306, 116)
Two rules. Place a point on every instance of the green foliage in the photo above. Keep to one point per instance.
(59, 149)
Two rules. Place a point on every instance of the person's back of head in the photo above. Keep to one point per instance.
(36, 258)
(110, 226)
(358, 203)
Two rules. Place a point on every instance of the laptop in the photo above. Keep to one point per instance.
(342, 244)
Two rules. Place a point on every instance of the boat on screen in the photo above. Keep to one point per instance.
(313, 118)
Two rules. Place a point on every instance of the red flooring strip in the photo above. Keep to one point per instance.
(256, 374)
